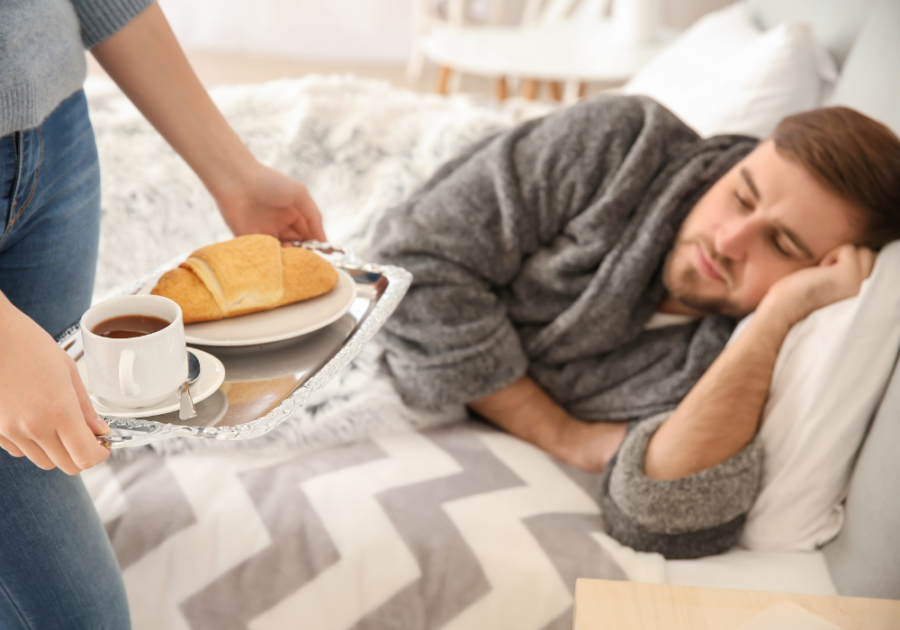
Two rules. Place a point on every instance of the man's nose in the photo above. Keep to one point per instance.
(733, 237)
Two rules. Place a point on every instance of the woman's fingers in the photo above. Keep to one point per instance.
(36, 454)
(78, 435)
(38, 441)
(81, 448)
(298, 229)
(45, 413)
(67, 441)
(312, 225)
(94, 423)
(269, 202)
(59, 454)
(10, 448)
(312, 216)
(291, 234)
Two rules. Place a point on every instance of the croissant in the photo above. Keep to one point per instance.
(245, 275)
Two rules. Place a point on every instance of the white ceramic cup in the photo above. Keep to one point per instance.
(137, 371)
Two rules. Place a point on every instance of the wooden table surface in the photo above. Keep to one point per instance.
(613, 605)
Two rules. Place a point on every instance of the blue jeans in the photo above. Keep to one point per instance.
(57, 568)
(50, 216)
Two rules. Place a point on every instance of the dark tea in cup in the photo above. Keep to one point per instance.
(128, 326)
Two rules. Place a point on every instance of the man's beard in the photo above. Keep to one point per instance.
(684, 285)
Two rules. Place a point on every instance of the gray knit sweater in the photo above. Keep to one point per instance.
(42, 52)
(540, 251)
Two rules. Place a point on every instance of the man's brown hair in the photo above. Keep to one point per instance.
(855, 157)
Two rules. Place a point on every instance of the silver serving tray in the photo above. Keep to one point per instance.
(265, 383)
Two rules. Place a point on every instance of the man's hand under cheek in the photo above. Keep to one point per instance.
(721, 414)
(839, 276)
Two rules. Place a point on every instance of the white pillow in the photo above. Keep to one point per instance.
(829, 378)
(724, 75)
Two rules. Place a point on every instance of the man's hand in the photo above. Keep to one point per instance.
(721, 414)
(45, 412)
(588, 445)
(265, 201)
(839, 276)
(529, 413)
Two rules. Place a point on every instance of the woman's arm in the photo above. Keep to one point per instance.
(147, 63)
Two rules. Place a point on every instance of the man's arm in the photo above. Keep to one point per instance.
(683, 485)
(721, 414)
(146, 61)
(528, 412)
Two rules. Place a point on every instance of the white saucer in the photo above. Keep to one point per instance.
(277, 324)
(212, 375)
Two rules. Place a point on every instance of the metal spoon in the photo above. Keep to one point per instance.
(188, 410)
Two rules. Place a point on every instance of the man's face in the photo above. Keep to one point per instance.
(764, 219)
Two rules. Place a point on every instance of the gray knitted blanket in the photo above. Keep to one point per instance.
(540, 250)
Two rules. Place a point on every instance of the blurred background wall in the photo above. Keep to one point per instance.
(373, 31)
(344, 30)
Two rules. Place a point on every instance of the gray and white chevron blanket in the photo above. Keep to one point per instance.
(357, 512)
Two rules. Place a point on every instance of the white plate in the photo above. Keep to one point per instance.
(279, 323)
(212, 375)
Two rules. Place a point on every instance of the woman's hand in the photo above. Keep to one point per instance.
(45, 412)
(266, 201)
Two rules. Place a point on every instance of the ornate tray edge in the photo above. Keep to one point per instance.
(399, 280)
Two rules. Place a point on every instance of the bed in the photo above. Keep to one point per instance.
(359, 512)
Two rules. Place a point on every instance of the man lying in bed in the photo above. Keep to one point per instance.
(585, 269)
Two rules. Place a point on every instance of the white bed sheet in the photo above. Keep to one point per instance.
(780, 571)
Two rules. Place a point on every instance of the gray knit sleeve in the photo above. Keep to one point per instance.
(101, 18)
(694, 516)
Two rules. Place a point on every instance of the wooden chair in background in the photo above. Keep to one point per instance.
(563, 43)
